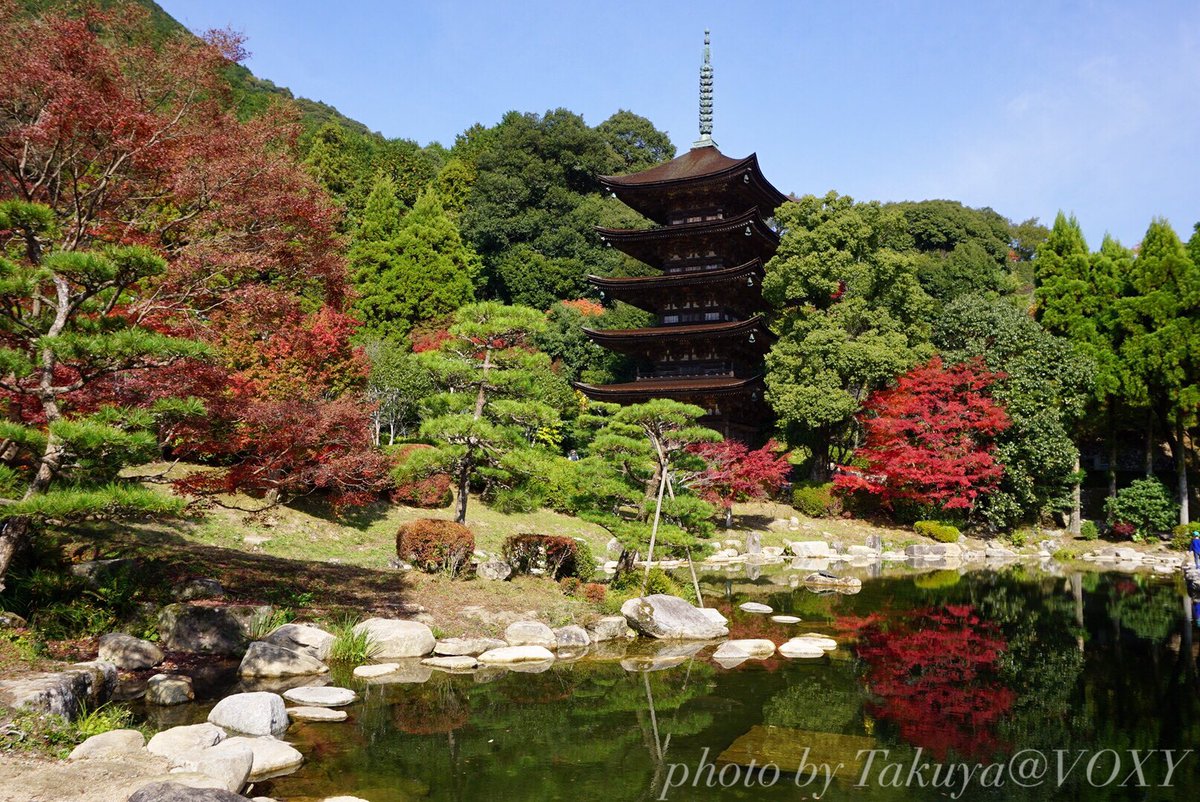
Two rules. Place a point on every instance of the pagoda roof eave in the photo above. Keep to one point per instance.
(669, 388)
(750, 217)
(697, 166)
(669, 280)
(616, 337)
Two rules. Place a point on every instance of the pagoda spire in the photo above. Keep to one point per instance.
(706, 98)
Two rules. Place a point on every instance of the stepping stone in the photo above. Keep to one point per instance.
(375, 670)
(321, 697)
(823, 641)
(272, 757)
(451, 662)
(755, 607)
(801, 648)
(785, 619)
(316, 714)
(756, 648)
(515, 655)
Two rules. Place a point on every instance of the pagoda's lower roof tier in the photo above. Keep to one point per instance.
(752, 332)
(733, 287)
(729, 241)
(687, 387)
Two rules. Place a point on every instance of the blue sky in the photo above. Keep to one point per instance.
(1026, 107)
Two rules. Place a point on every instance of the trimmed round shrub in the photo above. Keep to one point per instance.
(435, 546)
(1146, 505)
(1088, 530)
(594, 592)
(554, 555)
(816, 500)
(943, 533)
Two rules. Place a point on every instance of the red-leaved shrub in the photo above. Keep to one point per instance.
(594, 592)
(434, 545)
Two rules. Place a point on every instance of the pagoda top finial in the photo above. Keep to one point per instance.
(706, 98)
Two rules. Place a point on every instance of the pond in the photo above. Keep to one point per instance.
(987, 685)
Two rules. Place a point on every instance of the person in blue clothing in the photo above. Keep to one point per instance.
(1196, 547)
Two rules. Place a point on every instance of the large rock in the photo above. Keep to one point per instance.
(202, 588)
(455, 647)
(256, 713)
(97, 572)
(204, 629)
(180, 740)
(572, 636)
(169, 689)
(305, 638)
(515, 655)
(64, 693)
(175, 792)
(267, 660)
(321, 697)
(109, 745)
(670, 617)
(810, 548)
(530, 633)
(934, 550)
(272, 757)
(129, 653)
(229, 762)
(393, 638)
(610, 627)
(494, 570)
(12, 621)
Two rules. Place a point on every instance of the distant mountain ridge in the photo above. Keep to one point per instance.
(252, 94)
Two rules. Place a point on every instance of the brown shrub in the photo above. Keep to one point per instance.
(594, 592)
(434, 545)
(556, 555)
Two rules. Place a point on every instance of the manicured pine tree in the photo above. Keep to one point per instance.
(65, 341)
(632, 484)
(492, 382)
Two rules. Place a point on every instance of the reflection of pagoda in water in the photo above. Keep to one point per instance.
(709, 247)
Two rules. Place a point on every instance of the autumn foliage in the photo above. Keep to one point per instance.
(435, 545)
(930, 439)
(734, 472)
(130, 137)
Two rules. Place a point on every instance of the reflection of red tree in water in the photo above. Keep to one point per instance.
(936, 677)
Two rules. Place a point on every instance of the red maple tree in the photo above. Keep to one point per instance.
(132, 137)
(930, 439)
(733, 472)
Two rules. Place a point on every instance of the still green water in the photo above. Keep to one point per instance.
(943, 669)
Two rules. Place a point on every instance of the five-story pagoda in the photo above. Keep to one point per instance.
(709, 247)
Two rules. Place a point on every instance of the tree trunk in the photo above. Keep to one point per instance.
(1181, 471)
(1149, 444)
(819, 471)
(1112, 450)
(1076, 521)
(14, 535)
(464, 487)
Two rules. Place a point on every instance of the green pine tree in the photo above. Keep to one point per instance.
(61, 340)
